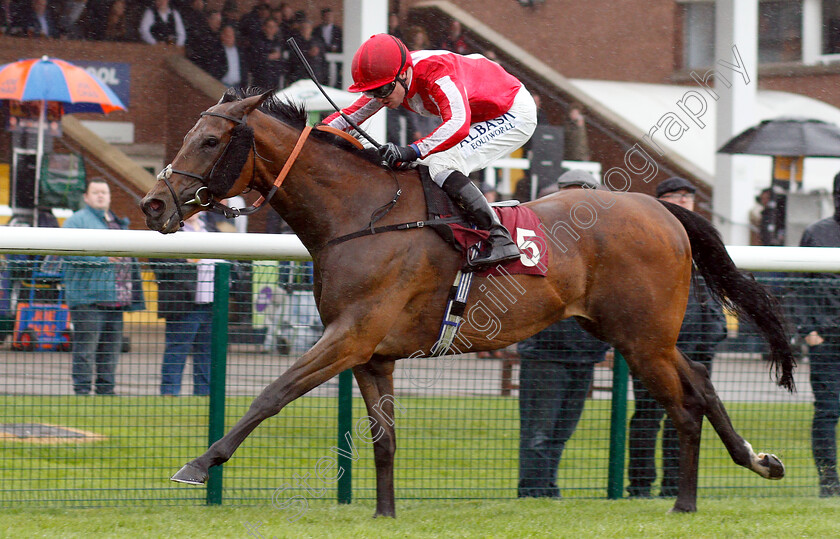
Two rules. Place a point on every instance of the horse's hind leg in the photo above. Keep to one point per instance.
(662, 373)
(376, 384)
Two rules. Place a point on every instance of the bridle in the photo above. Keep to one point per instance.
(203, 197)
(206, 199)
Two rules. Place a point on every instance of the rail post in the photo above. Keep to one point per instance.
(345, 430)
(618, 428)
(218, 372)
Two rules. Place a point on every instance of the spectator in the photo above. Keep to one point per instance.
(418, 39)
(758, 216)
(524, 187)
(185, 300)
(230, 14)
(329, 32)
(93, 19)
(8, 15)
(208, 52)
(703, 327)
(36, 21)
(232, 61)
(820, 323)
(69, 22)
(542, 117)
(195, 22)
(454, 40)
(98, 289)
(395, 29)
(556, 371)
(267, 54)
(160, 24)
(577, 144)
(285, 15)
(115, 27)
(772, 227)
(313, 48)
(253, 23)
(489, 191)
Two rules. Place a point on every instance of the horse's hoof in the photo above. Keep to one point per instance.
(774, 467)
(683, 508)
(190, 474)
(385, 514)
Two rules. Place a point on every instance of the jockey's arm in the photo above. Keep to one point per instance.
(362, 109)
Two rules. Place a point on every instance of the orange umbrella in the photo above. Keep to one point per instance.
(50, 79)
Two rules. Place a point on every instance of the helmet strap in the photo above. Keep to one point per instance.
(403, 56)
(402, 82)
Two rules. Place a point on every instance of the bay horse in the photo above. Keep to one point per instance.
(624, 276)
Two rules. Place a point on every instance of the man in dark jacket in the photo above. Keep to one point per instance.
(329, 32)
(267, 56)
(206, 51)
(185, 300)
(819, 321)
(313, 49)
(556, 370)
(704, 326)
(251, 24)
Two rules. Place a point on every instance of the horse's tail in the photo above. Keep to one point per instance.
(738, 291)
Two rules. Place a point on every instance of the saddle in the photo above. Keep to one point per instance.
(444, 217)
(449, 222)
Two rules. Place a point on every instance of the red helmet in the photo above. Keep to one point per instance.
(378, 61)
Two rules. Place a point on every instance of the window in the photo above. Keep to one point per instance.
(830, 27)
(779, 31)
(698, 34)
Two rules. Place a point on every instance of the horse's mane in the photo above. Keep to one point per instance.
(295, 115)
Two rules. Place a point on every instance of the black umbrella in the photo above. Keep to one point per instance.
(787, 137)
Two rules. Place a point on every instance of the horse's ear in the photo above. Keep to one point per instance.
(268, 94)
(251, 103)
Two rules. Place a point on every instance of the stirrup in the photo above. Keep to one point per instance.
(497, 255)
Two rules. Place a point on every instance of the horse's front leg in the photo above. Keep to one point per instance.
(340, 348)
(376, 384)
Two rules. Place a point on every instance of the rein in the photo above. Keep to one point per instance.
(204, 198)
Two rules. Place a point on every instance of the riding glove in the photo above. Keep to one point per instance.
(398, 156)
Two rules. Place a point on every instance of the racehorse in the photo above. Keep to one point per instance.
(623, 273)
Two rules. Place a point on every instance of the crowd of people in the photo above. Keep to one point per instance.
(250, 49)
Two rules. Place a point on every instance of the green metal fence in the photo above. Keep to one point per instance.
(457, 429)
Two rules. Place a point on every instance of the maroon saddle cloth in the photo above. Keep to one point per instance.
(522, 223)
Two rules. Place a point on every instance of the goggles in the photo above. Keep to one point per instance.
(382, 92)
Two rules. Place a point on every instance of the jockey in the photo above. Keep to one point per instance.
(487, 113)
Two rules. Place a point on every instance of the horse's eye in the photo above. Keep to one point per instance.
(211, 142)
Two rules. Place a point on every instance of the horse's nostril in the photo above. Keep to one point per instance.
(153, 206)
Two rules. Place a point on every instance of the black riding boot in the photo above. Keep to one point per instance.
(499, 247)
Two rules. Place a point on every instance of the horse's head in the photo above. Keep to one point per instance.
(208, 167)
